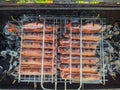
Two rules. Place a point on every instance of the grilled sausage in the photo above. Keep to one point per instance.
(76, 76)
(76, 52)
(86, 68)
(38, 45)
(76, 60)
(37, 71)
(76, 44)
(85, 36)
(39, 27)
(87, 28)
(37, 61)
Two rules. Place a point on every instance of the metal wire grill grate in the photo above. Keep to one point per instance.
(62, 50)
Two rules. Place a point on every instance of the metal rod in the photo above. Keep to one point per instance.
(19, 77)
(65, 26)
(55, 85)
(42, 64)
(35, 84)
(56, 61)
(101, 56)
(43, 77)
(80, 54)
(29, 78)
(103, 59)
(70, 63)
(65, 85)
(53, 54)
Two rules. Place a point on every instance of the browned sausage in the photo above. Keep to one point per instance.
(37, 61)
(36, 71)
(85, 60)
(76, 52)
(86, 68)
(87, 28)
(76, 76)
(85, 36)
(39, 27)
